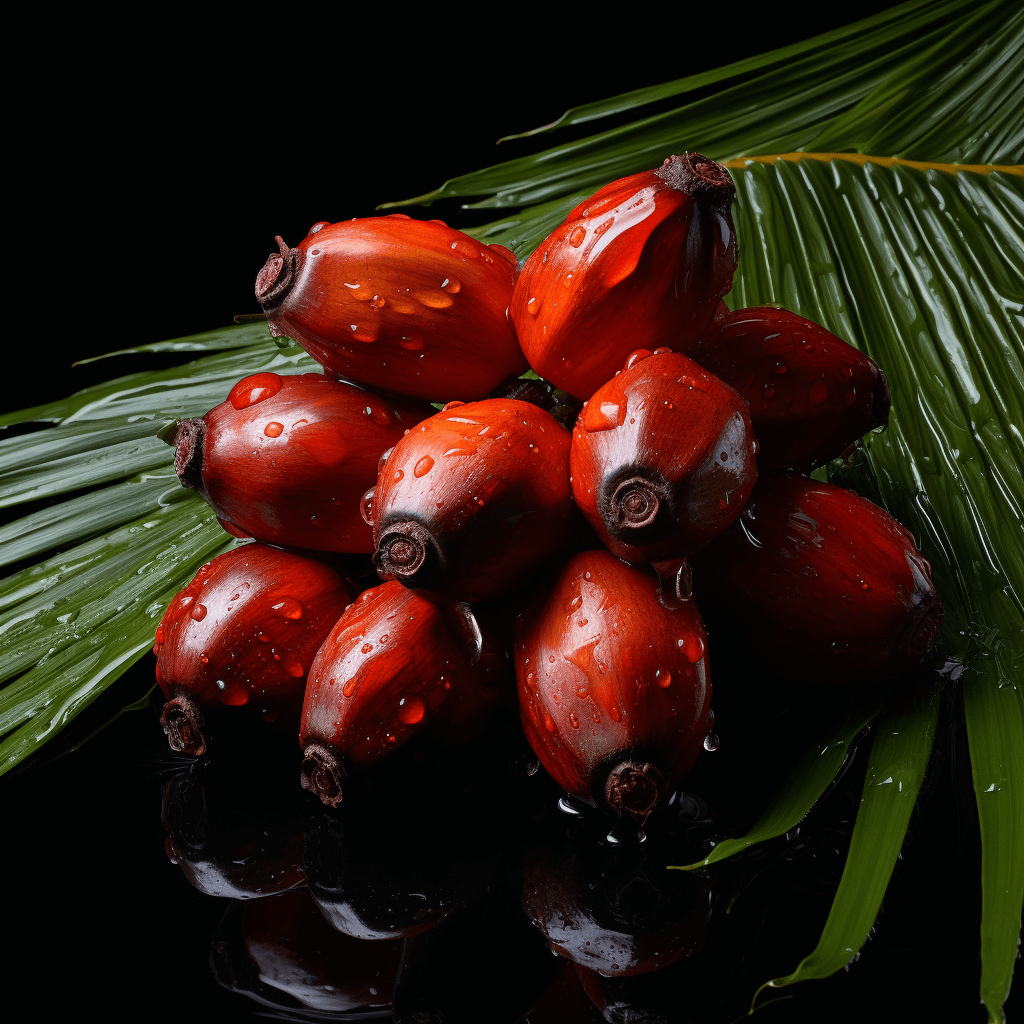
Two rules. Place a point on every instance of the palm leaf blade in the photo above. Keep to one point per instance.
(896, 768)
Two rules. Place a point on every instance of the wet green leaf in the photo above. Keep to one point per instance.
(810, 777)
(900, 751)
(970, 77)
(234, 336)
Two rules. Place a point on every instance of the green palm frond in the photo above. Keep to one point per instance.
(878, 193)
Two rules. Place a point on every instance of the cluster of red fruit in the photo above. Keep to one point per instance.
(477, 514)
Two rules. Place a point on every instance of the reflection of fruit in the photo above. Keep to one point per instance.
(474, 499)
(282, 953)
(614, 690)
(641, 263)
(662, 458)
(817, 583)
(394, 665)
(286, 459)
(387, 877)
(407, 306)
(810, 394)
(241, 852)
(244, 630)
(614, 909)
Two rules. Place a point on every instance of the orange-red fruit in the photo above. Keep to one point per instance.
(641, 263)
(394, 665)
(244, 631)
(474, 499)
(286, 459)
(810, 394)
(819, 584)
(614, 688)
(662, 458)
(407, 306)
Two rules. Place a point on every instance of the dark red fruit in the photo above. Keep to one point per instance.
(393, 666)
(286, 459)
(407, 306)
(819, 584)
(614, 689)
(641, 263)
(810, 394)
(662, 458)
(245, 630)
(474, 499)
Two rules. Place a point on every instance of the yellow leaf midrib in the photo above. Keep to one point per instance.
(883, 161)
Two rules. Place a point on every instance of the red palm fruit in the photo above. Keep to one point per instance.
(614, 690)
(412, 307)
(393, 665)
(810, 394)
(662, 458)
(286, 459)
(641, 263)
(473, 500)
(245, 629)
(819, 584)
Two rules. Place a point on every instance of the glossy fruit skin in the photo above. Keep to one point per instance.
(662, 458)
(818, 584)
(392, 666)
(607, 675)
(286, 459)
(244, 630)
(472, 501)
(406, 306)
(640, 264)
(811, 395)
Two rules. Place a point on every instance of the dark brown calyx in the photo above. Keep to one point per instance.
(182, 722)
(408, 552)
(277, 277)
(322, 774)
(698, 176)
(634, 788)
(632, 507)
(188, 441)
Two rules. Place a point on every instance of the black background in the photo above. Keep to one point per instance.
(150, 191)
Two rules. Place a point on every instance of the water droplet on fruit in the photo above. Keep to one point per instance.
(423, 467)
(663, 677)
(575, 721)
(711, 740)
(693, 647)
(451, 284)
(378, 302)
(349, 688)
(603, 416)
(533, 306)
(256, 388)
(637, 356)
(288, 608)
(366, 506)
(366, 648)
(577, 235)
(293, 668)
(411, 710)
(273, 429)
(549, 723)
(199, 612)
